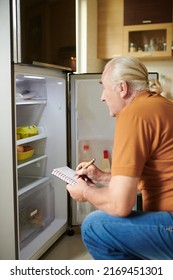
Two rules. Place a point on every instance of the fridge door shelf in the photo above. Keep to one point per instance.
(41, 135)
(31, 101)
(29, 183)
(35, 158)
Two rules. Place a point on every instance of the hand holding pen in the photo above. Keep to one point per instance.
(82, 170)
(89, 163)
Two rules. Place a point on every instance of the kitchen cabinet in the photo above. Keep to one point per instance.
(148, 11)
(110, 28)
(149, 41)
(119, 33)
(45, 31)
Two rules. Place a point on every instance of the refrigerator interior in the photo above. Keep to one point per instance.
(42, 199)
(91, 125)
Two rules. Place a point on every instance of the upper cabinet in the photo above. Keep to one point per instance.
(147, 32)
(142, 29)
(45, 32)
(148, 11)
(149, 41)
(110, 28)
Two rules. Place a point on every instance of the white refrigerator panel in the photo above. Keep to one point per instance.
(91, 125)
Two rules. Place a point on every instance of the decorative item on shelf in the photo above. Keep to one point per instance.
(152, 45)
(160, 46)
(145, 47)
(164, 46)
(133, 47)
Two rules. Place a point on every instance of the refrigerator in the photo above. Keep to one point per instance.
(64, 113)
(67, 112)
(42, 100)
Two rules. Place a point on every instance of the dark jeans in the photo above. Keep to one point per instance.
(140, 236)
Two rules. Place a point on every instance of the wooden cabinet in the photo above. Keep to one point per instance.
(47, 32)
(148, 11)
(148, 41)
(121, 29)
(110, 28)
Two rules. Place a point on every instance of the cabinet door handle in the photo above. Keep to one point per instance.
(147, 21)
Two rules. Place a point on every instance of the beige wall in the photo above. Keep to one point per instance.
(87, 61)
(165, 70)
(93, 64)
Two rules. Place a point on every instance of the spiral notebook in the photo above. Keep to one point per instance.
(66, 174)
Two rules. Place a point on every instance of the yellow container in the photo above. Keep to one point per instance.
(25, 155)
(26, 131)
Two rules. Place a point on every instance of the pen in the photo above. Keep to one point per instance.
(89, 163)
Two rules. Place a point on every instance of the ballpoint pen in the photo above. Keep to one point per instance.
(85, 167)
(89, 163)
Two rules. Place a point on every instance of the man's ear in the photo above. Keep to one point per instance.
(124, 93)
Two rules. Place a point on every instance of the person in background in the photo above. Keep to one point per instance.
(142, 160)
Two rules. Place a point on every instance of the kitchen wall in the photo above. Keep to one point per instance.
(165, 70)
(86, 33)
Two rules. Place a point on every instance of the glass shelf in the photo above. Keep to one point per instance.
(41, 135)
(147, 40)
(33, 159)
(30, 101)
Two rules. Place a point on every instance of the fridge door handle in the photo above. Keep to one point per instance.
(16, 31)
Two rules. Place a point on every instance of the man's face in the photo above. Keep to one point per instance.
(111, 94)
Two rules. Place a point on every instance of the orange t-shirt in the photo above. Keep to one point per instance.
(143, 147)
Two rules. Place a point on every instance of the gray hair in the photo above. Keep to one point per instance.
(132, 71)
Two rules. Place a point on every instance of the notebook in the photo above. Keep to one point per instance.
(66, 174)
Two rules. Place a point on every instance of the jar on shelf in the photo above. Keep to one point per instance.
(146, 48)
(133, 47)
(152, 46)
(164, 46)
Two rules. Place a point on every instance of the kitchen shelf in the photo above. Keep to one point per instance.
(148, 41)
(33, 159)
(40, 136)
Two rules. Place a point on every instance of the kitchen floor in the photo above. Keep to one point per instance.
(68, 248)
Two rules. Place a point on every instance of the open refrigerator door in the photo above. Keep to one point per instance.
(92, 129)
(41, 141)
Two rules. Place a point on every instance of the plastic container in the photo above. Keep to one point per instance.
(36, 210)
(26, 131)
(25, 155)
(105, 162)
